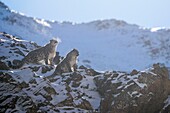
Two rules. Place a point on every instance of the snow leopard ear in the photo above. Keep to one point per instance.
(75, 49)
(56, 38)
(52, 40)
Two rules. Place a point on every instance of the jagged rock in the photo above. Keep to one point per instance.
(46, 68)
(134, 72)
(3, 66)
(50, 90)
(3, 58)
(144, 92)
(16, 62)
(12, 98)
(75, 84)
(19, 52)
(89, 71)
(33, 81)
(73, 78)
(166, 110)
(76, 77)
(85, 105)
(35, 68)
(120, 92)
(67, 102)
(6, 78)
(7, 35)
(24, 85)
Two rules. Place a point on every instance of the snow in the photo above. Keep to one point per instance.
(26, 75)
(125, 79)
(42, 22)
(155, 29)
(167, 102)
(61, 90)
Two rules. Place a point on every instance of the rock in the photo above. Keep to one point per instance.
(36, 68)
(6, 78)
(24, 85)
(67, 102)
(134, 72)
(12, 98)
(46, 68)
(3, 66)
(33, 81)
(19, 52)
(7, 35)
(50, 90)
(76, 77)
(144, 92)
(16, 62)
(75, 84)
(89, 71)
(3, 58)
(85, 105)
(166, 110)
(82, 67)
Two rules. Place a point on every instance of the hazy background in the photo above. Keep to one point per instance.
(146, 13)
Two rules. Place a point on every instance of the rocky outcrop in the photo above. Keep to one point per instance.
(13, 98)
(26, 90)
(13, 50)
(116, 92)
(138, 92)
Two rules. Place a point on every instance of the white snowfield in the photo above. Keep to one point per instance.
(103, 45)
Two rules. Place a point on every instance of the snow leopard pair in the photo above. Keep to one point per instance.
(47, 53)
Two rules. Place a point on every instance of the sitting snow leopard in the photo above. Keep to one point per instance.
(68, 64)
(46, 53)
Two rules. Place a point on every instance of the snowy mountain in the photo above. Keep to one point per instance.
(103, 44)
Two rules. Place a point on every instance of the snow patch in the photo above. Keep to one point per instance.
(43, 22)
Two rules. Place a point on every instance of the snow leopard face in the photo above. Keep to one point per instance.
(74, 52)
(53, 42)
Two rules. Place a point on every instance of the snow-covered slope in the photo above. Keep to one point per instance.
(32, 89)
(103, 45)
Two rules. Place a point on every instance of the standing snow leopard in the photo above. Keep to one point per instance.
(46, 53)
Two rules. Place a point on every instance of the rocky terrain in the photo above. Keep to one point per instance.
(28, 89)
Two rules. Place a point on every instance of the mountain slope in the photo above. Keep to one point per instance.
(104, 45)
(32, 89)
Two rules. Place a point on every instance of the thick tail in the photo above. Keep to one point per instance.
(19, 64)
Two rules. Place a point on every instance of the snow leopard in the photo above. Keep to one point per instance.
(46, 53)
(68, 64)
